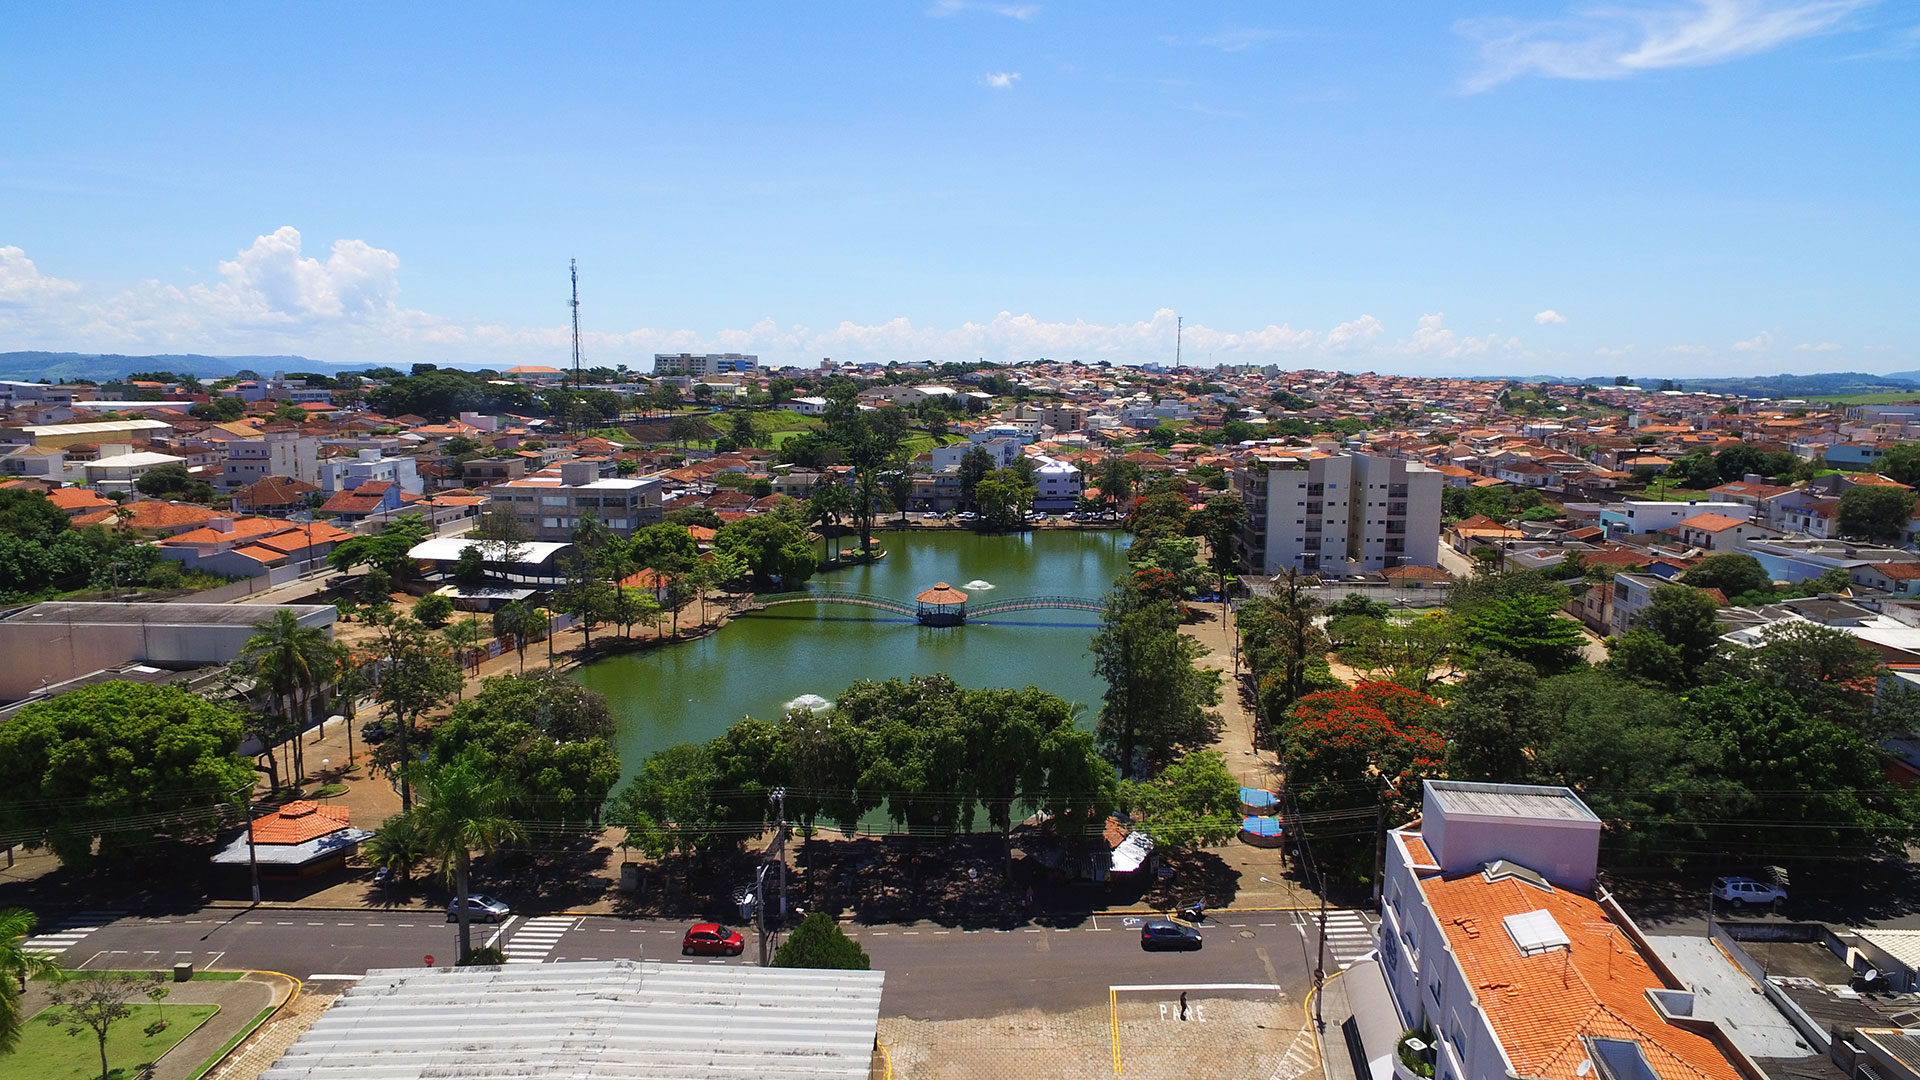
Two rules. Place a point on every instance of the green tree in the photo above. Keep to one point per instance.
(385, 550)
(1413, 654)
(1490, 725)
(520, 621)
(1734, 573)
(1830, 673)
(587, 597)
(1527, 627)
(396, 846)
(1117, 477)
(774, 547)
(97, 1000)
(163, 481)
(1003, 497)
(1902, 463)
(416, 676)
(17, 965)
(470, 569)
(1876, 512)
(1219, 523)
(462, 810)
(818, 942)
(1358, 604)
(103, 771)
(975, 464)
(293, 663)
(1157, 700)
(1193, 803)
(433, 610)
(670, 805)
(1282, 641)
(1672, 641)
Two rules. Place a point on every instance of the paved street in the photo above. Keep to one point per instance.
(933, 972)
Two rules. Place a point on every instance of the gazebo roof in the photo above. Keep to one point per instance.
(942, 593)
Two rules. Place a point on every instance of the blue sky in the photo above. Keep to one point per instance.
(1664, 187)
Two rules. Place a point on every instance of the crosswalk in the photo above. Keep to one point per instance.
(537, 937)
(1349, 936)
(65, 934)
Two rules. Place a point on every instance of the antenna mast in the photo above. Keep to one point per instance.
(1179, 328)
(575, 265)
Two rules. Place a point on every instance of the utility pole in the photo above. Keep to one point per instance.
(780, 843)
(1179, 328)
(1380, 839)
(1320, 965)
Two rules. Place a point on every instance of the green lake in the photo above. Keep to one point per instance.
(761, 662)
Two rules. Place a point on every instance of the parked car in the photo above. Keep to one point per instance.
(712, 939)
(1742, 892)
(1157, 934)
(479, 909)
(375, 731)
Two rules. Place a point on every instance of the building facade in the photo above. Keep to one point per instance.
(549, 506)
(704, 364)
(1338, 514)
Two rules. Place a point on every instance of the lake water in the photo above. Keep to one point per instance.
(759, 664)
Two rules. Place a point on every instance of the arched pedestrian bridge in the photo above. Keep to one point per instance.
(909, 610)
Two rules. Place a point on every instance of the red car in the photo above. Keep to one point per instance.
(712, 939)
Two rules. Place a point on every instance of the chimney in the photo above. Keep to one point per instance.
(221, 524)
(577, 473)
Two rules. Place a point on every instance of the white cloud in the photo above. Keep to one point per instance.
(1618, 42)
(1825, 346)
(23, 285)
(1759, 342)
(1000, 80)
(1358, 332)
(1605, 351)
(942, 9)
(1240, 39)
(1687, 350)
(1549, 316)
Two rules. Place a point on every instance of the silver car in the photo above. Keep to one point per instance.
(479, 909)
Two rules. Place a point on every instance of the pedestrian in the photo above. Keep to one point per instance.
(1029, 900)
(1183, 1004)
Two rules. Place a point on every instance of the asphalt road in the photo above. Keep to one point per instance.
(933, 972)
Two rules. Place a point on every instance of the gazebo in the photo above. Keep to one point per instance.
(942, 605)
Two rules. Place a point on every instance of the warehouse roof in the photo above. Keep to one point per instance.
(589, 1021)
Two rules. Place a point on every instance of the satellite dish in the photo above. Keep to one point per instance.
(1584, 1068)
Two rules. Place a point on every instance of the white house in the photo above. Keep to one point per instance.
(806, 406)
(1059, 484)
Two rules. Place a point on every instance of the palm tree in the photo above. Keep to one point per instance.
(464, 638)
(17, 965)
(461, 811)
(825, 504)
(293, 662)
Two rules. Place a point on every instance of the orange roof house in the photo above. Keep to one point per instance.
(1495, 936)
(301, 839)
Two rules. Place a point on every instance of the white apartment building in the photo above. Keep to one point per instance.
(1058, 483)
(1647, 515)
(698, 364)
(370, 464)
(550, 504)
(1495, 945)
(274, 453)
(1003, 451)
(1338, 514)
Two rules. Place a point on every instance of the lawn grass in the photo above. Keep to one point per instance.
(47, 1052)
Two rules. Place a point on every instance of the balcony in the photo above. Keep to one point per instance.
(1396, 509)
(1396, 528)
(1315, 491)
(1396, 491)
(1314, 507)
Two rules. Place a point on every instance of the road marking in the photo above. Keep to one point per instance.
(907, 932)
(381, 924)
(1030, 930)
(939, 932)
(283, 922)
(1168, 987)
(343, 924)
(335, 978)
(608, 930)
(537, 937)
(67, 933)
(501, 929)
(879, 933)
(254, 922)
(1236, 925)
(641, 931)
(404, 925)
(1101, 930)
(1269, 924)
(321, 924)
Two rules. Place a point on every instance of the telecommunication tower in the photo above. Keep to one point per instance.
(575, 265)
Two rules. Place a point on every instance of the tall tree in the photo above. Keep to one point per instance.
(97, 1000)
(17, 965)
(462, 811)
(416, 675)
(1672, 641)
(1193, 803)
(1876, 512)
(818, 942)
(1157, 701)
(294, 663)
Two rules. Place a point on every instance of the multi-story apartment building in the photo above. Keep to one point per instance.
(1496, 944)
(549, 505)
(1338, 514)
(273, 453)
(1057, 484)
(698, 364)
(368, 465)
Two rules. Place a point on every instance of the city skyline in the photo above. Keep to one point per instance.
(1711, 187)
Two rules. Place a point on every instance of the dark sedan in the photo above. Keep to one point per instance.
(1159, 934)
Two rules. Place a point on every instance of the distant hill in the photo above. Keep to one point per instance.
(1800, 386)
(100, 367)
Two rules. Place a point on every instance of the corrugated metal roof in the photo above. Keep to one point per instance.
(1902, 945)
(594, 1021)
(1509, 800)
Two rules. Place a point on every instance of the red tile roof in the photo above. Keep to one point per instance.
(299, 822)
(150, 514)
(1541, 1005)
(1712, 523)
(72, 498)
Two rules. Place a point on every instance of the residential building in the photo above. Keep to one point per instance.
(806, 406)
(1494, 939)
(698, 364)
(271, 453)
(369, 499)
(1648, 516)
(367, 465)
(1717, 532)
(1003, 451)
(1058, 484)
(535, 373)
(550, 504)
(1338, 514)
(1631, 595)
(119, 471)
